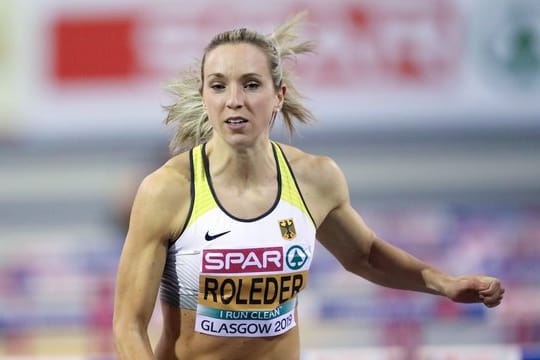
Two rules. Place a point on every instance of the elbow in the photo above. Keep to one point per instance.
(118, 326)
(356, 264)
(359, 260)
(357, 269)
(119, 333)
(123, 332)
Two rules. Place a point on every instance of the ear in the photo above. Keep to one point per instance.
(280, 97)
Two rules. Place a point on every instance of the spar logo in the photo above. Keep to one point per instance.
(296, 257)
(242, 260)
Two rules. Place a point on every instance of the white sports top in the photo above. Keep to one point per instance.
(240, 275)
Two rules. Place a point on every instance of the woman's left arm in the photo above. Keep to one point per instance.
(345, 234)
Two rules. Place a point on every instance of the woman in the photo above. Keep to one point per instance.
(227, 229)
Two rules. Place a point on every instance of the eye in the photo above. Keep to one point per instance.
(217, 86)
(252, 85)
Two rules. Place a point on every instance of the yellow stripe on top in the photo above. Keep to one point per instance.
(203, 201)
(289, 189)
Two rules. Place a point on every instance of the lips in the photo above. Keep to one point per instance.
(236, 120)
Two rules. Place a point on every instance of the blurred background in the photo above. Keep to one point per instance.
(431, 107)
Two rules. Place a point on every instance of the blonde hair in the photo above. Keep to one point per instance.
(187, 111)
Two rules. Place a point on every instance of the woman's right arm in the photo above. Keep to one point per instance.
(141, 265)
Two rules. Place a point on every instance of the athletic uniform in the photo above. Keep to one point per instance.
(242, 276)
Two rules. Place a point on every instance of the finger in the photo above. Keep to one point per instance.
(493, 300)
(483, 283)
(491, 295)
(491, 287)
(492, 304)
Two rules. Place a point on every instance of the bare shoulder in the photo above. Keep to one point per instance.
(168, 180)
(320, 179)
(163, 196)
(319, 170)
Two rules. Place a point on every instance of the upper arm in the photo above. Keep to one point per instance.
(345, 234)
(342, 230)
(143, 255)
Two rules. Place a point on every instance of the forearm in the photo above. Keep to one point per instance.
(392, 267)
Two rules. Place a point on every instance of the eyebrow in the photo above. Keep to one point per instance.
(247, 75)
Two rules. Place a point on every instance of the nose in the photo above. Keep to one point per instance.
(236, 97)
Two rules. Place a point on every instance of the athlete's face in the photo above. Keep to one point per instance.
(238, 93)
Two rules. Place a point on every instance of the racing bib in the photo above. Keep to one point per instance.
(250, 292)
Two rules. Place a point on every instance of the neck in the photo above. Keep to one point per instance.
(241, 167)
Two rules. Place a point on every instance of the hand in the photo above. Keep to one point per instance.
(475, 289)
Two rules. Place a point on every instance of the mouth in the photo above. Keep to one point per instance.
(236, 120)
